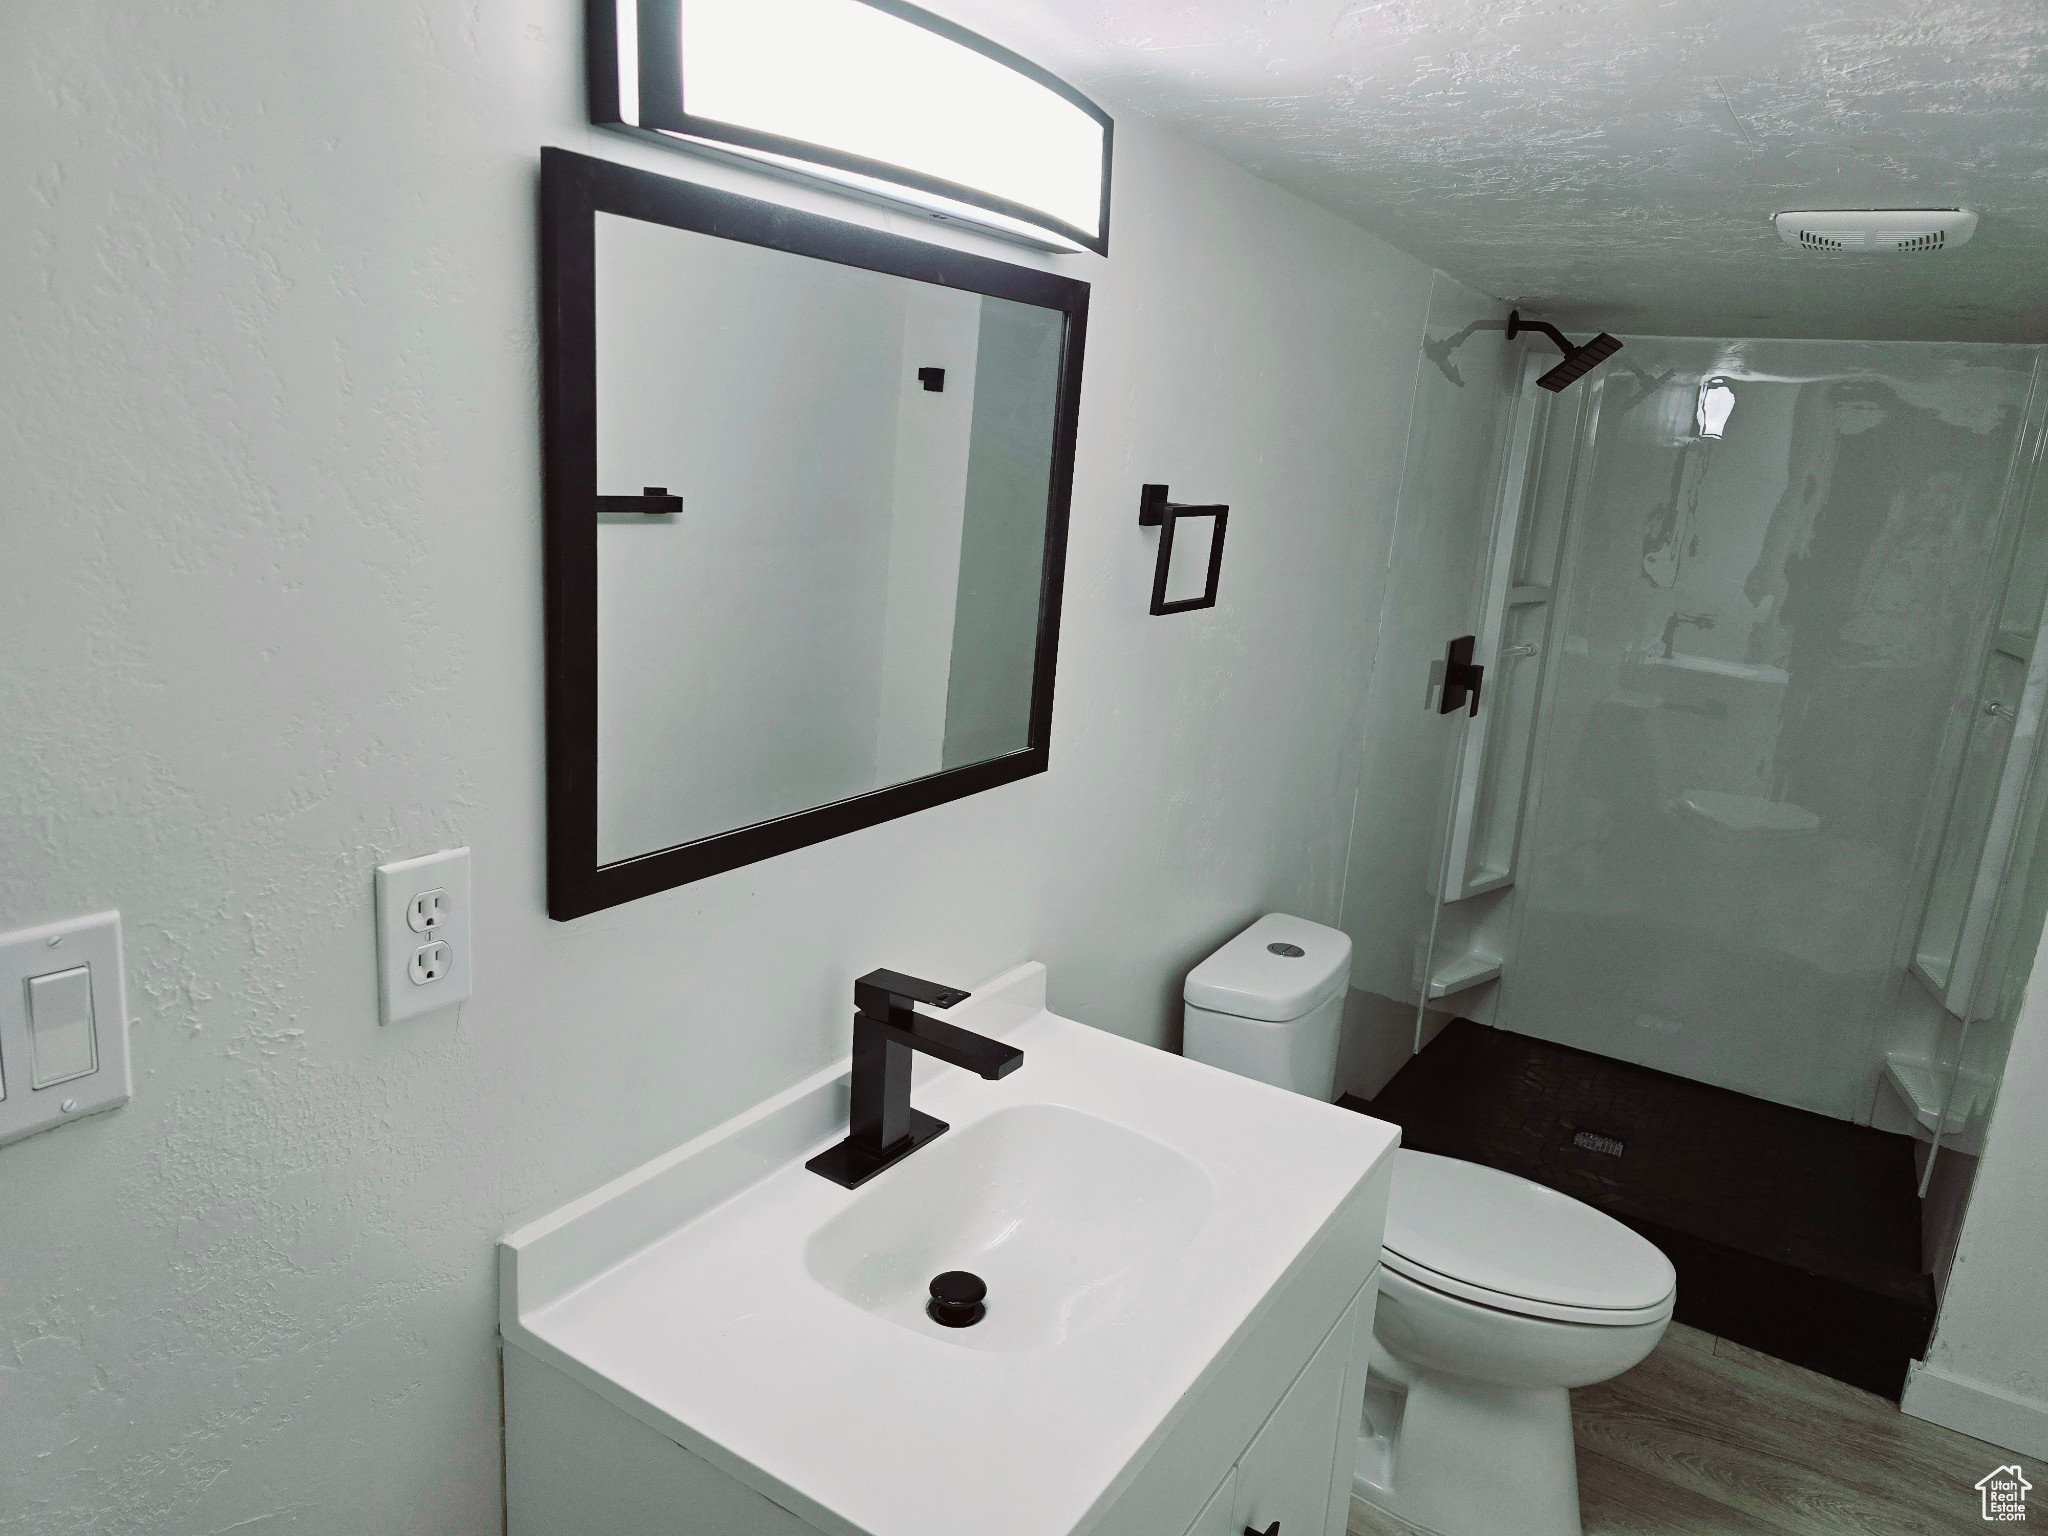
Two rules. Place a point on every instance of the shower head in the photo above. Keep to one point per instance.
(1578, 361)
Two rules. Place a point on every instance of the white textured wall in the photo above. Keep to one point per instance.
(269, 537)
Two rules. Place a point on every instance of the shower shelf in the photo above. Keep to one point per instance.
(1919, 1084)
(1486, 880)
(1461, 973)
(1932, 972)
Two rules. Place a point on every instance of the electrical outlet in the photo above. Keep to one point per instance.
(430, 962)
(427, 911)
(423, 899)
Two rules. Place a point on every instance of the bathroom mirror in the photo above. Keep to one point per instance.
(807, 490)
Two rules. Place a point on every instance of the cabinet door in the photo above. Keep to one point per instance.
(1214, 1520)
(1287, 1473)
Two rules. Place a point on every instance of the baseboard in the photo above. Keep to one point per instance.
(1977, 1409)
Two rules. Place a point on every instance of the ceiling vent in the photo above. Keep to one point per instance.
(1834, 230)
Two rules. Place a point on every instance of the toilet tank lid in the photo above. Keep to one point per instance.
(1250, 980)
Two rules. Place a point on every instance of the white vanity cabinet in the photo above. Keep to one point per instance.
(1181, 1276)
(1290, 1474)
(1297, 1471)
(577, 1465)
(1279, 1420)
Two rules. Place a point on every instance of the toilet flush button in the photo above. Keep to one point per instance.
(60, 1025)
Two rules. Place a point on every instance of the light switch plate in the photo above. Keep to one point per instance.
(423, 934)
(60, 1020)
(94, 944)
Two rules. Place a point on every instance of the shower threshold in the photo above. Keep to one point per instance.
(1793, 1233)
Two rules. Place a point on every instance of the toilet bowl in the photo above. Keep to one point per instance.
(1497, 1297)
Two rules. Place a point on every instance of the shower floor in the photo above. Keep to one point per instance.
(1792, 1233)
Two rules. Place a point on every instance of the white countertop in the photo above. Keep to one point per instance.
(681, 1292)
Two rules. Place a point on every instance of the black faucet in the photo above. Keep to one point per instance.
(882, 1128)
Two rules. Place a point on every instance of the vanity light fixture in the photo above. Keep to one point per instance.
(873, 97)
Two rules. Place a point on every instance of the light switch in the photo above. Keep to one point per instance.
(63, 1024)
(60, 1025)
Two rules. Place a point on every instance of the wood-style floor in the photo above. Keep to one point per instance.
(1707, 1438)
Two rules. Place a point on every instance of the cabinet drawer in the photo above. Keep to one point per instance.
(1286, 1474)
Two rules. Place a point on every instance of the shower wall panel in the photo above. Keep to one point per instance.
(1765, 639)
(1465, 382)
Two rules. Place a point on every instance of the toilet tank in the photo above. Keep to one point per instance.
(1268, 1004)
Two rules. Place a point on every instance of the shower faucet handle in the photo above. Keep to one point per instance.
(1461, 677)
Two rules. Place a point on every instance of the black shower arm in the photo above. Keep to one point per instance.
(1516, 325)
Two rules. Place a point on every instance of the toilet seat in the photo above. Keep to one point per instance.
(1525, 1306)
(1507, 1243)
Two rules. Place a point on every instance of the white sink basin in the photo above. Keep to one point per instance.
(1134, 1215)
(1067, 1217)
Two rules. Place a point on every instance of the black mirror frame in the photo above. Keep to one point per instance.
(574, 190)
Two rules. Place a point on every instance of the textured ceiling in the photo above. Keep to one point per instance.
(1616, 162)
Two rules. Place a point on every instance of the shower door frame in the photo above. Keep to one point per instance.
(1531, 430)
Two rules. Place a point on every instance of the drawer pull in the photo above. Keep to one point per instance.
(1271, 1530)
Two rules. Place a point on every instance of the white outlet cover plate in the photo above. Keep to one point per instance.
(94, 942)
(399, 997)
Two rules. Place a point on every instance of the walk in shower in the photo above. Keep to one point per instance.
(1784, 563)
(1737, 857)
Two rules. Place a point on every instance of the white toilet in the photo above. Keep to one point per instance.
(1497, 1295)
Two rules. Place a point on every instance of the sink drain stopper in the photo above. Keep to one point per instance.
(957, 1299)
